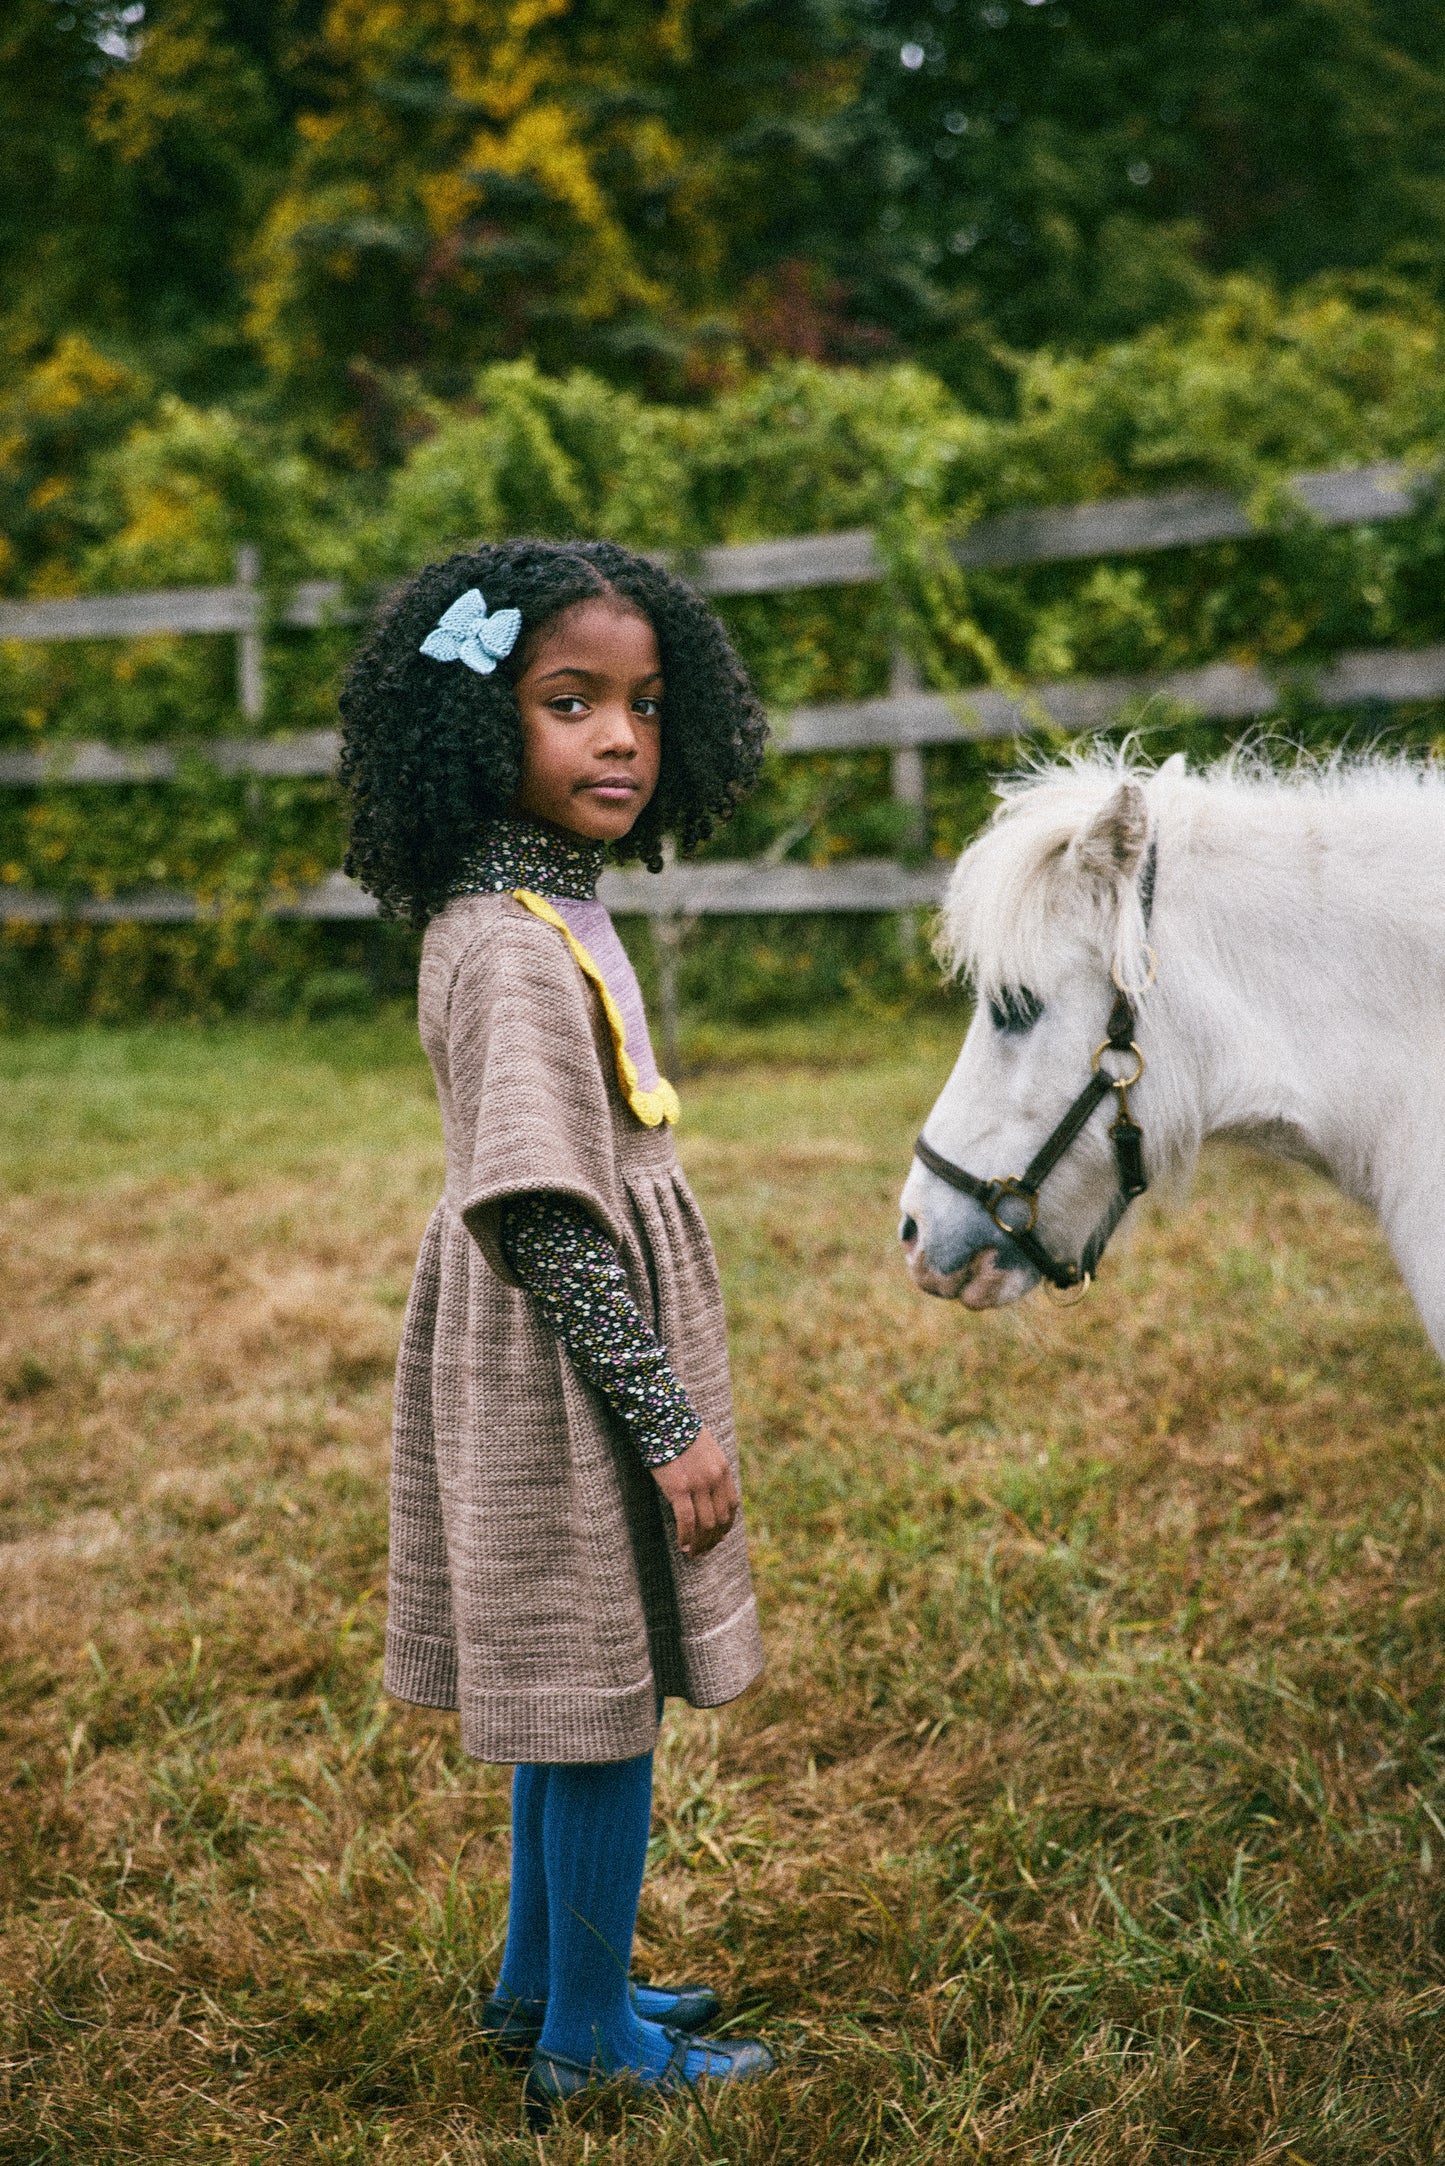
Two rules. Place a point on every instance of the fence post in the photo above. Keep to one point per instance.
(908, 777)
(250, 661)
(909, 781)
(668, 934)
(669, 930)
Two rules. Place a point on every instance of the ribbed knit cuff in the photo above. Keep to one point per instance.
(419, 1669)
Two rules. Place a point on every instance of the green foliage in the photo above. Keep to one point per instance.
(1252, 389)
(493, 179)
(55, 416)
(329, 208)
(536, 454)
(797, 449)
(240, 961)
(188, 485)
(1071, 173)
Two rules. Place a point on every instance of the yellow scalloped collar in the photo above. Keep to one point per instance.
(651, 1107)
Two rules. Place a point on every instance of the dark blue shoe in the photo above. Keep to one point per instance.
(510, 2027)
(677, 2008)
(552, 2078)
(513, 2027)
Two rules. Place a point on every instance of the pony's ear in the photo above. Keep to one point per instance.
(1108, 850)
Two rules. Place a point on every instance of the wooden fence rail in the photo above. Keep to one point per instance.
(736, 888)
(903, 721)
(1180, 518)
(1221, 691)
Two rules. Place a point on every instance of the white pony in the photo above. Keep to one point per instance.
(1290, 974)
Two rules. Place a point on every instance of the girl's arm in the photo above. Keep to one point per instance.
(569, 1266)
(571, 1269)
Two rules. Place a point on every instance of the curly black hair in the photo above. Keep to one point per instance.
(430, 753)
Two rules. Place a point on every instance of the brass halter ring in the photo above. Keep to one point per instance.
(1067, 1297)
(1011, 1187)
(1132, 992)
(1120, 1082)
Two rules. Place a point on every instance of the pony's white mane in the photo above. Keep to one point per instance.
(1000, 917)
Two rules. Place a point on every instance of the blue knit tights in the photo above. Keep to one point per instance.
(579, 1845)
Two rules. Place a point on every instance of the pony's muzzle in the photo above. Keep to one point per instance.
(954, 1251)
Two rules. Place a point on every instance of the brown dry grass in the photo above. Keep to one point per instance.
(1090, 1809)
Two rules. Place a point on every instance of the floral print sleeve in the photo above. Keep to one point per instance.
(572, 1271)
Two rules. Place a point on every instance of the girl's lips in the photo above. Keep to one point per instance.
(611, 793)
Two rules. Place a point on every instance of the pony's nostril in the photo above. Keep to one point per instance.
(908, 1231)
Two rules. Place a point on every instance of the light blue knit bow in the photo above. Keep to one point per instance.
(465, 633)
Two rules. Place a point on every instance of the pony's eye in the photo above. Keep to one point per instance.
(1014, 1010)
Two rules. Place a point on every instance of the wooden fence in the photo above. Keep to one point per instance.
(902, 722)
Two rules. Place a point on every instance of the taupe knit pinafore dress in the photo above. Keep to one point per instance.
(536, 1584)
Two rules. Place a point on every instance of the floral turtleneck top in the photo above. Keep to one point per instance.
(559, 1254)
(524, 853)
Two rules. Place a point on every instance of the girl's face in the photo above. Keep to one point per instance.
(590, 699)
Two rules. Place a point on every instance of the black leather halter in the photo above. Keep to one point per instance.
(1013, 1202)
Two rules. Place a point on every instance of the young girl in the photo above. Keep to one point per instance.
(566, 1546)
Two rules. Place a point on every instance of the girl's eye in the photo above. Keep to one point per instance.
(1015, 1010)
(650, 709)
(567, 703)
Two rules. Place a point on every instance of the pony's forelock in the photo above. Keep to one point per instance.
(999, 924)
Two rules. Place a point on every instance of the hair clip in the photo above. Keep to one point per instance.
(465, 633)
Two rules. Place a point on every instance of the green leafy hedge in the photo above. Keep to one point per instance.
(1250, 391)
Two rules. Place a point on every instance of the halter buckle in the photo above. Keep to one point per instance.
(1003, 1191)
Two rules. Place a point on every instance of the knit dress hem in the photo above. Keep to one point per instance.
(523, 1727)
(423, 1670)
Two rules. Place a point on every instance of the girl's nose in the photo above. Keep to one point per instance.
(619, 734)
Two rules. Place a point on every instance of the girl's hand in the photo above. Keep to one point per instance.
(698, 1484)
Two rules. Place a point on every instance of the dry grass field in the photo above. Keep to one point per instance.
(1090, 1810)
